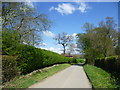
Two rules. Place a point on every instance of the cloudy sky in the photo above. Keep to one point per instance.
(69, 17)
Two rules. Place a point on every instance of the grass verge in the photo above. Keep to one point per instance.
(28, 80)
(99, 78)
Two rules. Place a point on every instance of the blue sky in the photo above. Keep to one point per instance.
(69, 17)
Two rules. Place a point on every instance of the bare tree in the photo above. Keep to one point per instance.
(24, 22)
(71, 48)
(64, 39)
(88, 27)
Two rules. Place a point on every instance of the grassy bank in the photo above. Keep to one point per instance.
(99, 78)
(28, 80)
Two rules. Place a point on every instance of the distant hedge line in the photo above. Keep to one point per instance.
(29, 59)
(111, 64)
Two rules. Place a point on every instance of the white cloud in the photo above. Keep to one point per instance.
(83, 7)
(53, 49)
(76, 52)
(43, 48)
(43, 44)
(52, 8)
(74, 35)
(67, 8)
(29, 3)
(57, 50)
(64, 8)
(49, 34)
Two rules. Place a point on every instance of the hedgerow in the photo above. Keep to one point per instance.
(79, 60)
(30, 58)
(111, 64)
(9, 68)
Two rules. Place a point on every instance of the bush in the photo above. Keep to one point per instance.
(76, 60)
(111, 64)
(31, 58)
(9, 68)
(72, 61)
(80, 60)
(51, 58)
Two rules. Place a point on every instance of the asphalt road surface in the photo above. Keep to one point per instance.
(72, 77)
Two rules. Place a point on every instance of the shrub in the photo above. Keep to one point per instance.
(111, 64)
(31, 58)
(76, 60)
(9, 68)
(79, 60)
(72, 61)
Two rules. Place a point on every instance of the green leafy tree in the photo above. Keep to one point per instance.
(99, 42)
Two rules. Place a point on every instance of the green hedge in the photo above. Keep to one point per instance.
(9, 68)
(28, 59)
(31, 58)
(72, 61)
(79, 60)
(111, 64)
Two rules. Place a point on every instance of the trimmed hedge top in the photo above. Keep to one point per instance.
(28, 59)
(31, 58)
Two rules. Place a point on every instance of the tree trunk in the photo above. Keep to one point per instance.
(64, 50)
(86, 62)
(105, 53)
(33, 40)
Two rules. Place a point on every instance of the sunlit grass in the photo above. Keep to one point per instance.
(100, 78)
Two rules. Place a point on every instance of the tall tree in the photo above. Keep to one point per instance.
(99, 42)
(88, 27)
(23, 21)
(71, 48)
(110, 32)
(64, 39)
(22, 24)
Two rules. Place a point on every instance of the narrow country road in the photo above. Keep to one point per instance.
(72, 77)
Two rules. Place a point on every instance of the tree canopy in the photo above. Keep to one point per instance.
(64, 39)
(100, 41)
(21, 24)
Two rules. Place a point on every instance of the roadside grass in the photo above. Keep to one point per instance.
(28, 80)
(99, 78)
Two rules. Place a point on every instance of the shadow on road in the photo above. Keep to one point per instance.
(79, 64)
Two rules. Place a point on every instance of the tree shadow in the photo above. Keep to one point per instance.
(81, 64)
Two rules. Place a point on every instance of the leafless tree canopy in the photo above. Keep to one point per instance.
(64, 39)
